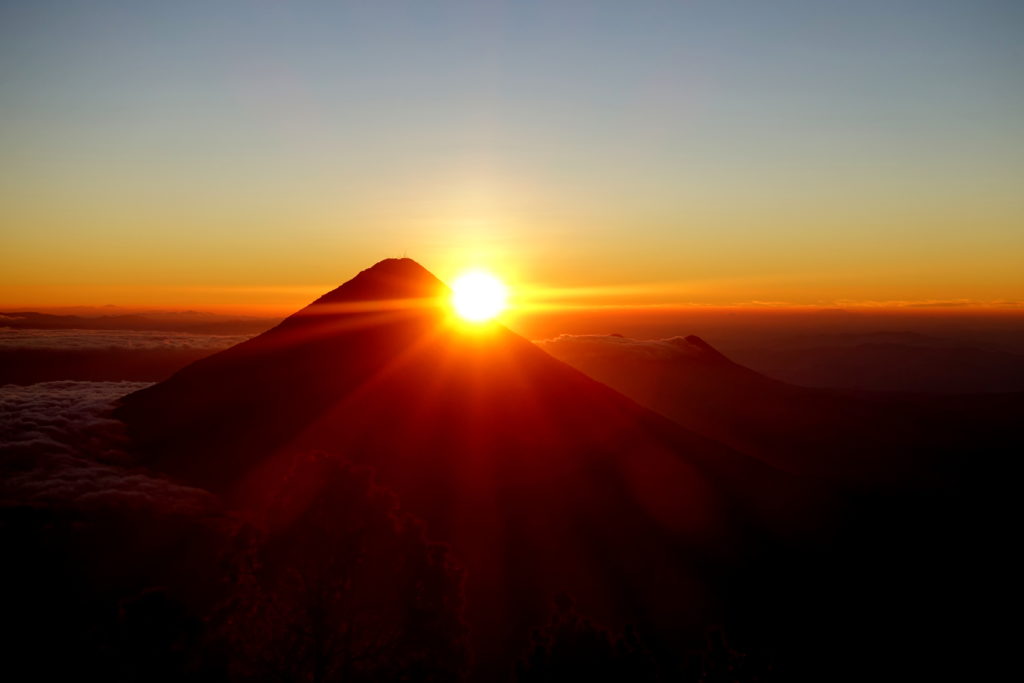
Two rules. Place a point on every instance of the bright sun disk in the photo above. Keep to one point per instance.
(478, 296)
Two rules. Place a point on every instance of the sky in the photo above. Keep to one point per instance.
(249, 155)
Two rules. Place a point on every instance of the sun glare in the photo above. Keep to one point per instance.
(478, 296)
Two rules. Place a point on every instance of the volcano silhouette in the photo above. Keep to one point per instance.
(541, 479)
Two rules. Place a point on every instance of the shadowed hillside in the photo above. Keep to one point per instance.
(541, 478)
(853, 438)
(546, 482)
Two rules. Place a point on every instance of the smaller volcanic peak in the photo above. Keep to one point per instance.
(691, 349)
(706, 350)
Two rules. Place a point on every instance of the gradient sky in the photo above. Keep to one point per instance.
(255, 153)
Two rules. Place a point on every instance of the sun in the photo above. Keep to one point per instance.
(478, 296)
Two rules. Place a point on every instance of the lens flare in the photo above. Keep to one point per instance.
(478, 296)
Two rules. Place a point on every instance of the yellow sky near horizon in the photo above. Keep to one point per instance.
(247, 157)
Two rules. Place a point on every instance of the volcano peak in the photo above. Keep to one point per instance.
(392, 278)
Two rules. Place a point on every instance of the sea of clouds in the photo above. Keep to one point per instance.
(60, 447)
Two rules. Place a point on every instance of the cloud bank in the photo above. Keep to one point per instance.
(60, 447)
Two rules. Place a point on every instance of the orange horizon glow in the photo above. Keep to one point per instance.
(525, 298)
(161, 164)
(536, 288)
(529, 302)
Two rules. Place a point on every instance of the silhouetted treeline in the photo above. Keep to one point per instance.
(571, 647)
(112, 595)
(344, 588)
(336, 583)
(333, 583)
(339, 586)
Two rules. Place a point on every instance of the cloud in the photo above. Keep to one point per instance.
(60, 447)
(120, 340)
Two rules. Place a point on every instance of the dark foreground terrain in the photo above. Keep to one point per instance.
(371, 492)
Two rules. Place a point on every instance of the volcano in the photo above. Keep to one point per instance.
(542, 480)
(852, 439)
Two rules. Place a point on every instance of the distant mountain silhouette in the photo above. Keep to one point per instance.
(170, 321)
(850, 437)
(888, 361)
(542, 479)
(925, 519)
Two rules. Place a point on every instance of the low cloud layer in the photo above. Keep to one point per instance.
(126, 340)
(60, 447)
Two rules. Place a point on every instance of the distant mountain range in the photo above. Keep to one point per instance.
(195, 322)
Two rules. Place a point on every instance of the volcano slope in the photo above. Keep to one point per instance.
(542, 480)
